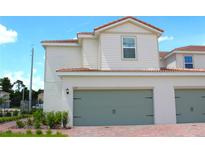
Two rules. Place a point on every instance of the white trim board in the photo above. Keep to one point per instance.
(120, 74)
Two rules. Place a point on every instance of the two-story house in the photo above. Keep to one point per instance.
(116, 75)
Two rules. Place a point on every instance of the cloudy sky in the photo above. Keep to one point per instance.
(19, 34)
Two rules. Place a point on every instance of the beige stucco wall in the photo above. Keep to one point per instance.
(198, 60)
(147, 55)
(57, 57)
(163, 92)
(129, 27)
(90, 53)
(177, 60)
(171, 61)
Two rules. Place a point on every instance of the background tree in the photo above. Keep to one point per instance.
(6, 84)
(19, 85)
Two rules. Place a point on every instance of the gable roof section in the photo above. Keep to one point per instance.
(162, 54)
(127, 18)
(192, 48)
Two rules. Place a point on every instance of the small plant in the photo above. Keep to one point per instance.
(44, 120)
(29, 122)
(65, 119)
(39, 132)
(8, 132)
(37, 124)
(38, 115)
(8, 114)
(48, 132)
(51, 119)
(58, 119)
(20, 124)
(29, 132)
(15, 113)
(58, 133)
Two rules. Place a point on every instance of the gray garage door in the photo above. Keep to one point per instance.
(190, 105)
(112, 107)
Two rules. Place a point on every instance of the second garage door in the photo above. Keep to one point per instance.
(190, 105)
(112, 107)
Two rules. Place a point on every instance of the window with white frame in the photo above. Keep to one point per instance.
(129, 47)
(188, 62)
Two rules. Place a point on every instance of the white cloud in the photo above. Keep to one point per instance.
(7, 35)
(166, 38)
(20, 75)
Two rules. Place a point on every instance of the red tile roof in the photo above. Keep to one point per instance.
(190, 48)
(90, 33)
(145, 70)
(162, 54)
(128, 17)
(105, 25)
(60, 41)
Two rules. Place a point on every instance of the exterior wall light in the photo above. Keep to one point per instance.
(67, 91)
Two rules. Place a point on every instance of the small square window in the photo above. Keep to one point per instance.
(129, 47)
(188, 62)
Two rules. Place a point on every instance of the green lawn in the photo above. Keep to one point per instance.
(12, 134)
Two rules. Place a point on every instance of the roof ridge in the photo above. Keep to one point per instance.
(124, 18)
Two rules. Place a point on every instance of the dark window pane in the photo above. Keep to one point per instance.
(188, 65)
(188, 59)
(128, 42)
(129, 52)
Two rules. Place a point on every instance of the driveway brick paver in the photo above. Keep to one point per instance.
(173, 130)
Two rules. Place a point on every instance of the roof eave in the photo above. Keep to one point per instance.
(151, 74)
(60, 44)
(156, 30)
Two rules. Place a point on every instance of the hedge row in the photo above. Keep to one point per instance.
(6, 119)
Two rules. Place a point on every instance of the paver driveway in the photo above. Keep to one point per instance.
(174, 130)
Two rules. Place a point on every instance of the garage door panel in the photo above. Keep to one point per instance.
(113, 107)
(190, 105)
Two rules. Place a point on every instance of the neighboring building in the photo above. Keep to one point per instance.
(6, 96)
(185, 57)
(116, 75)
(40, 97)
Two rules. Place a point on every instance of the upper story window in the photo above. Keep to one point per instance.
(129, 47)
(188, 62)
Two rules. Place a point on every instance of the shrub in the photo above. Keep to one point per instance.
(8, 114)
(37, 124)
(20, 124)
(44, 120)
(58, 119)
(58, 133)
(48, 132)
(15, 113)
(51, 119)
(29, 132)
(39, 132)
(65, 119)
(29, 122)
(8, 132)
(38, 115)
